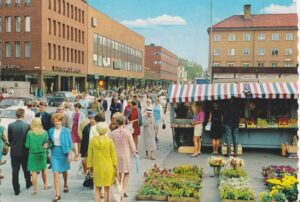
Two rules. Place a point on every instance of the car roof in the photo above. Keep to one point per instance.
(16, 107)
(21, 98)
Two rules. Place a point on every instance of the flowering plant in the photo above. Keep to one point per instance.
(216, 161)
(236, 162)
(272, 196)
(274, 171)
(236, 189)
(233, 173)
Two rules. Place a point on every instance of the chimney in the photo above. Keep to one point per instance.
(247, 12)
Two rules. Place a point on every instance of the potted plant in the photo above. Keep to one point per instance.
(236, 162)
(272, 196)
(216, 162)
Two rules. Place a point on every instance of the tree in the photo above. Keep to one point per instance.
(192, 68)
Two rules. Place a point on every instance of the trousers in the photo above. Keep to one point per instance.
(231, 133)
(16, 163)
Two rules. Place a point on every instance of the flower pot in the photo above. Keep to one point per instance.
(150, 198)
(231, 200)
(217, 170)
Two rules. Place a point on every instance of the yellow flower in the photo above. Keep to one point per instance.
(273, 192)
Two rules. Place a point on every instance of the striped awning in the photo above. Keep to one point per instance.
(204, 92)
(280, 90)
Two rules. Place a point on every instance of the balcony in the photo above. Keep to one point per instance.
(249, 70)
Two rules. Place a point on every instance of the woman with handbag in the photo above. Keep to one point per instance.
(61, 153)
(37, 143)
(102, 149)
(125, 148)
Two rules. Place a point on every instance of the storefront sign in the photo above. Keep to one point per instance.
(11, 67)
(65, 69)
(223, 76)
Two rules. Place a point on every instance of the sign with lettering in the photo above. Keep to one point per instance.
(11, 67)
(66, 69)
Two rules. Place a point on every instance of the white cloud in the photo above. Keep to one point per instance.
(274, 8)
(163, 20)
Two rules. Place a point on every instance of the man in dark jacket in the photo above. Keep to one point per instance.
(44, 116)
(115, 106)
(231, 122)
(17, 132)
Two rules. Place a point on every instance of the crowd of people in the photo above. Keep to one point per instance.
(80, 131)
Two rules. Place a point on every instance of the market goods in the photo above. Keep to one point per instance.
(272, 196)
(262, 123)
(251, 123)
(275, 171)
(216, 161)
(233, 173)
(235, 162)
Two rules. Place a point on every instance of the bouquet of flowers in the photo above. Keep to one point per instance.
(236, 162)
(216, 161)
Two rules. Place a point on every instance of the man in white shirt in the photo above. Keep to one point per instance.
(29, 114)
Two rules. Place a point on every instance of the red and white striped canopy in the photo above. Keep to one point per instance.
(280, 90)
(205, 92)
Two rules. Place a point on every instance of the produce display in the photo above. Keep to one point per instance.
(272, 122)
(262, 123)
(251, 123)
(242, 123)
(283, 122)
(179, 182)
(282, 183)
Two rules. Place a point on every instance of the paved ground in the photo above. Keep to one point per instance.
(166, 157)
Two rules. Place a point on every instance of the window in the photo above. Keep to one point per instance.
(49, 4)
(231, 37)
(7, 49)
(27, 23)
(275, 36)
(59, 29)
(18, 23)
(72, 33)
(68, 32)
(288, 64)
(54, 27)
(0, 49)
(68, 10)
(68, 54)
(27, 49)
(64, 7)
(64, 53)
(289, 36)
(72, 12)
(217, 52)
(289, 51)
(275, 51)
(82, 16)
(246, 64)
(261, 36)
(64, 30)
(246, 37)
(79, 36)
(75, 35)
(79, 14)
(54, 52)
(82, 54)
(8, 3)
(216, 64)
(246, 51)
(18, 3)
(49, 51)
(8, 24)
(274, 64)
(261, 51)
(75, 56)
(0, 24)
(82, 37)
(18, 49)
(76, 13)
(27, 2)
(59, 6)
(217, 37)
(71, 55)
(49, 26)
(230, 64)
(59, 52)
(231, 51)
(78, 57)
(260, 64)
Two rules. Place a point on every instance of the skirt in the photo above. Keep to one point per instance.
(198, 130)
(216, 130)
(59, 160)
(37, 161)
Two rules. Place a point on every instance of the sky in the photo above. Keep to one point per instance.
(181, 25)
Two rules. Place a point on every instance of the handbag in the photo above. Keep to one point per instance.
(208, 126)
(163, 126)
(5, 149)
(115, 192)
(88, 181)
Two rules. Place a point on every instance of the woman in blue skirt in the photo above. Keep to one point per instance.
(61, 153)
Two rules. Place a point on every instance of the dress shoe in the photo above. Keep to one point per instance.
(28, 185)
(17, 192)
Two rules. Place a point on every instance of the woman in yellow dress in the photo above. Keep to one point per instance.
(102, 149)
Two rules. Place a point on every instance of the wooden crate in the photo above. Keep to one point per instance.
(224, 149)
(183, 199)
(292, 148)
(230, 200)
(150, 198)
(186, 149)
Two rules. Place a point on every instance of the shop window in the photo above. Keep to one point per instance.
(274, 64)
(260, 64)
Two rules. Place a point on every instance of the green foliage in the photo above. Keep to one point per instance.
(233, 173)
(192, 68)
(278, 197)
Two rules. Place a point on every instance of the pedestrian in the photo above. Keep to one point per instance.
(37, 144)
(113, 124)
(84, 104)
(217, 128)
(137, 101)
(115, 106)
(99, 117)
(158, 115)
(231, 123)
(85, 140)
(148, 105)
(67, 120)
(29, 114)
(103, 103)
(149, 135)
(123, 102)
(17, 132)
(3, 142)
(102, 149)
(95, 106)
(163, 100)
(198, 127)
(44, 116)
(136, 119)
(61, 153)
(76, 118)
(125, 148)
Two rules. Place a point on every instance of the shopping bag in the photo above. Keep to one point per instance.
(88, 181)
(115, 192)
(129, 127)
(208, 126)
(137, 163)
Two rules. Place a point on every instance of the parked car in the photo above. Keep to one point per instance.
(58, 97)
(13, 101)
(8, 116)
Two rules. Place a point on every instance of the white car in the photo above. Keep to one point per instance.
(8, 116)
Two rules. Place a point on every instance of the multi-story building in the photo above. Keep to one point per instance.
(115, 53)
(182, 75)
(44, 42)
(248, 45)
(160, 64)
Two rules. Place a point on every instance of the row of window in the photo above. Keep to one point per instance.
(8, 3)
(166, 56)
(18, 23)
(67, 9)
(18, 49)
(167, 66)
(65, 54)
(261, 52)
(289, 36)
(259, 64)
(65, 31)
(101, 40)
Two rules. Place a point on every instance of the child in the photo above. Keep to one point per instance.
(197, 123)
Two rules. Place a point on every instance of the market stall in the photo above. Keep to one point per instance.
(268, 118)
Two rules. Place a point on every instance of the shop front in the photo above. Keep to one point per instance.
(268, 111)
